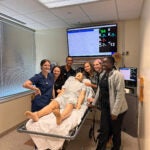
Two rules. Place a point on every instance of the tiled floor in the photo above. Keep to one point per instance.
(82, 141)
(21, 141)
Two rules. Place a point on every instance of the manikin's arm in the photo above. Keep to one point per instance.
(61, 92)
(90, 84)
(80, 99)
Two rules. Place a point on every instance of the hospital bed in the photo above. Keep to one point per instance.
(46, 134)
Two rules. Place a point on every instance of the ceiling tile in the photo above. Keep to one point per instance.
(23, 6)
(128, 5)
(24, 19)
(7, 11)
(78, 21)
(101, 11)
(36, 26)
(55, 24)
(38, 17)
(68, 12)
(128, 9)
(42, 16)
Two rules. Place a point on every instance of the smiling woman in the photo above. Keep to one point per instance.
(17, 58)
(42, 85)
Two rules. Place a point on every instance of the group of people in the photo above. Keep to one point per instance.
(55, 89)
(48, 83)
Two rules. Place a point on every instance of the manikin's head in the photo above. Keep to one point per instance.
(79, 76)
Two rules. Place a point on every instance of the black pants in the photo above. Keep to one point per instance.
(108, 128)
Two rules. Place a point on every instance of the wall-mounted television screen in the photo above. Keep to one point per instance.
(92, 41)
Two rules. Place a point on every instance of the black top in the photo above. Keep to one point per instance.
(104, 92)
(58, 85)
(66, 73)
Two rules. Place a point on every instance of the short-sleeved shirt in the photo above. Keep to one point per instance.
(104, 93)
(66, 73)
(73, 87)
(46, 87)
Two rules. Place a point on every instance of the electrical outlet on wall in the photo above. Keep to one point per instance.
(127, 53)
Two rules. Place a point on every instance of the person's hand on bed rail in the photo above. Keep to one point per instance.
(90, 101)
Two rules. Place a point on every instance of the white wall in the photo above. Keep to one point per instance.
(51, 44)
(132, 43)
(145, 72)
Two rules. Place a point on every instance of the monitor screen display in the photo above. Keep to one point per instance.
(92, 41)
(130, 73)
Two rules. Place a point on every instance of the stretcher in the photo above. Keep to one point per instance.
(54, 139)
(46, 134)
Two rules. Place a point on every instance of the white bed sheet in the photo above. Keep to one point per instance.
(47, 124)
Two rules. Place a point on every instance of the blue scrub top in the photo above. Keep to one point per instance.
(46, 87)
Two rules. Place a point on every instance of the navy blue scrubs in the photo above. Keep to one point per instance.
(46, 87)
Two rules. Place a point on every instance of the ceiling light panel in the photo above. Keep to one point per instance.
(62, 3)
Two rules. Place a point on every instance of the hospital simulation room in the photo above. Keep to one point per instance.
(33, 30)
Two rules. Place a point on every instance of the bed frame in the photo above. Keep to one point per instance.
(72, 134)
